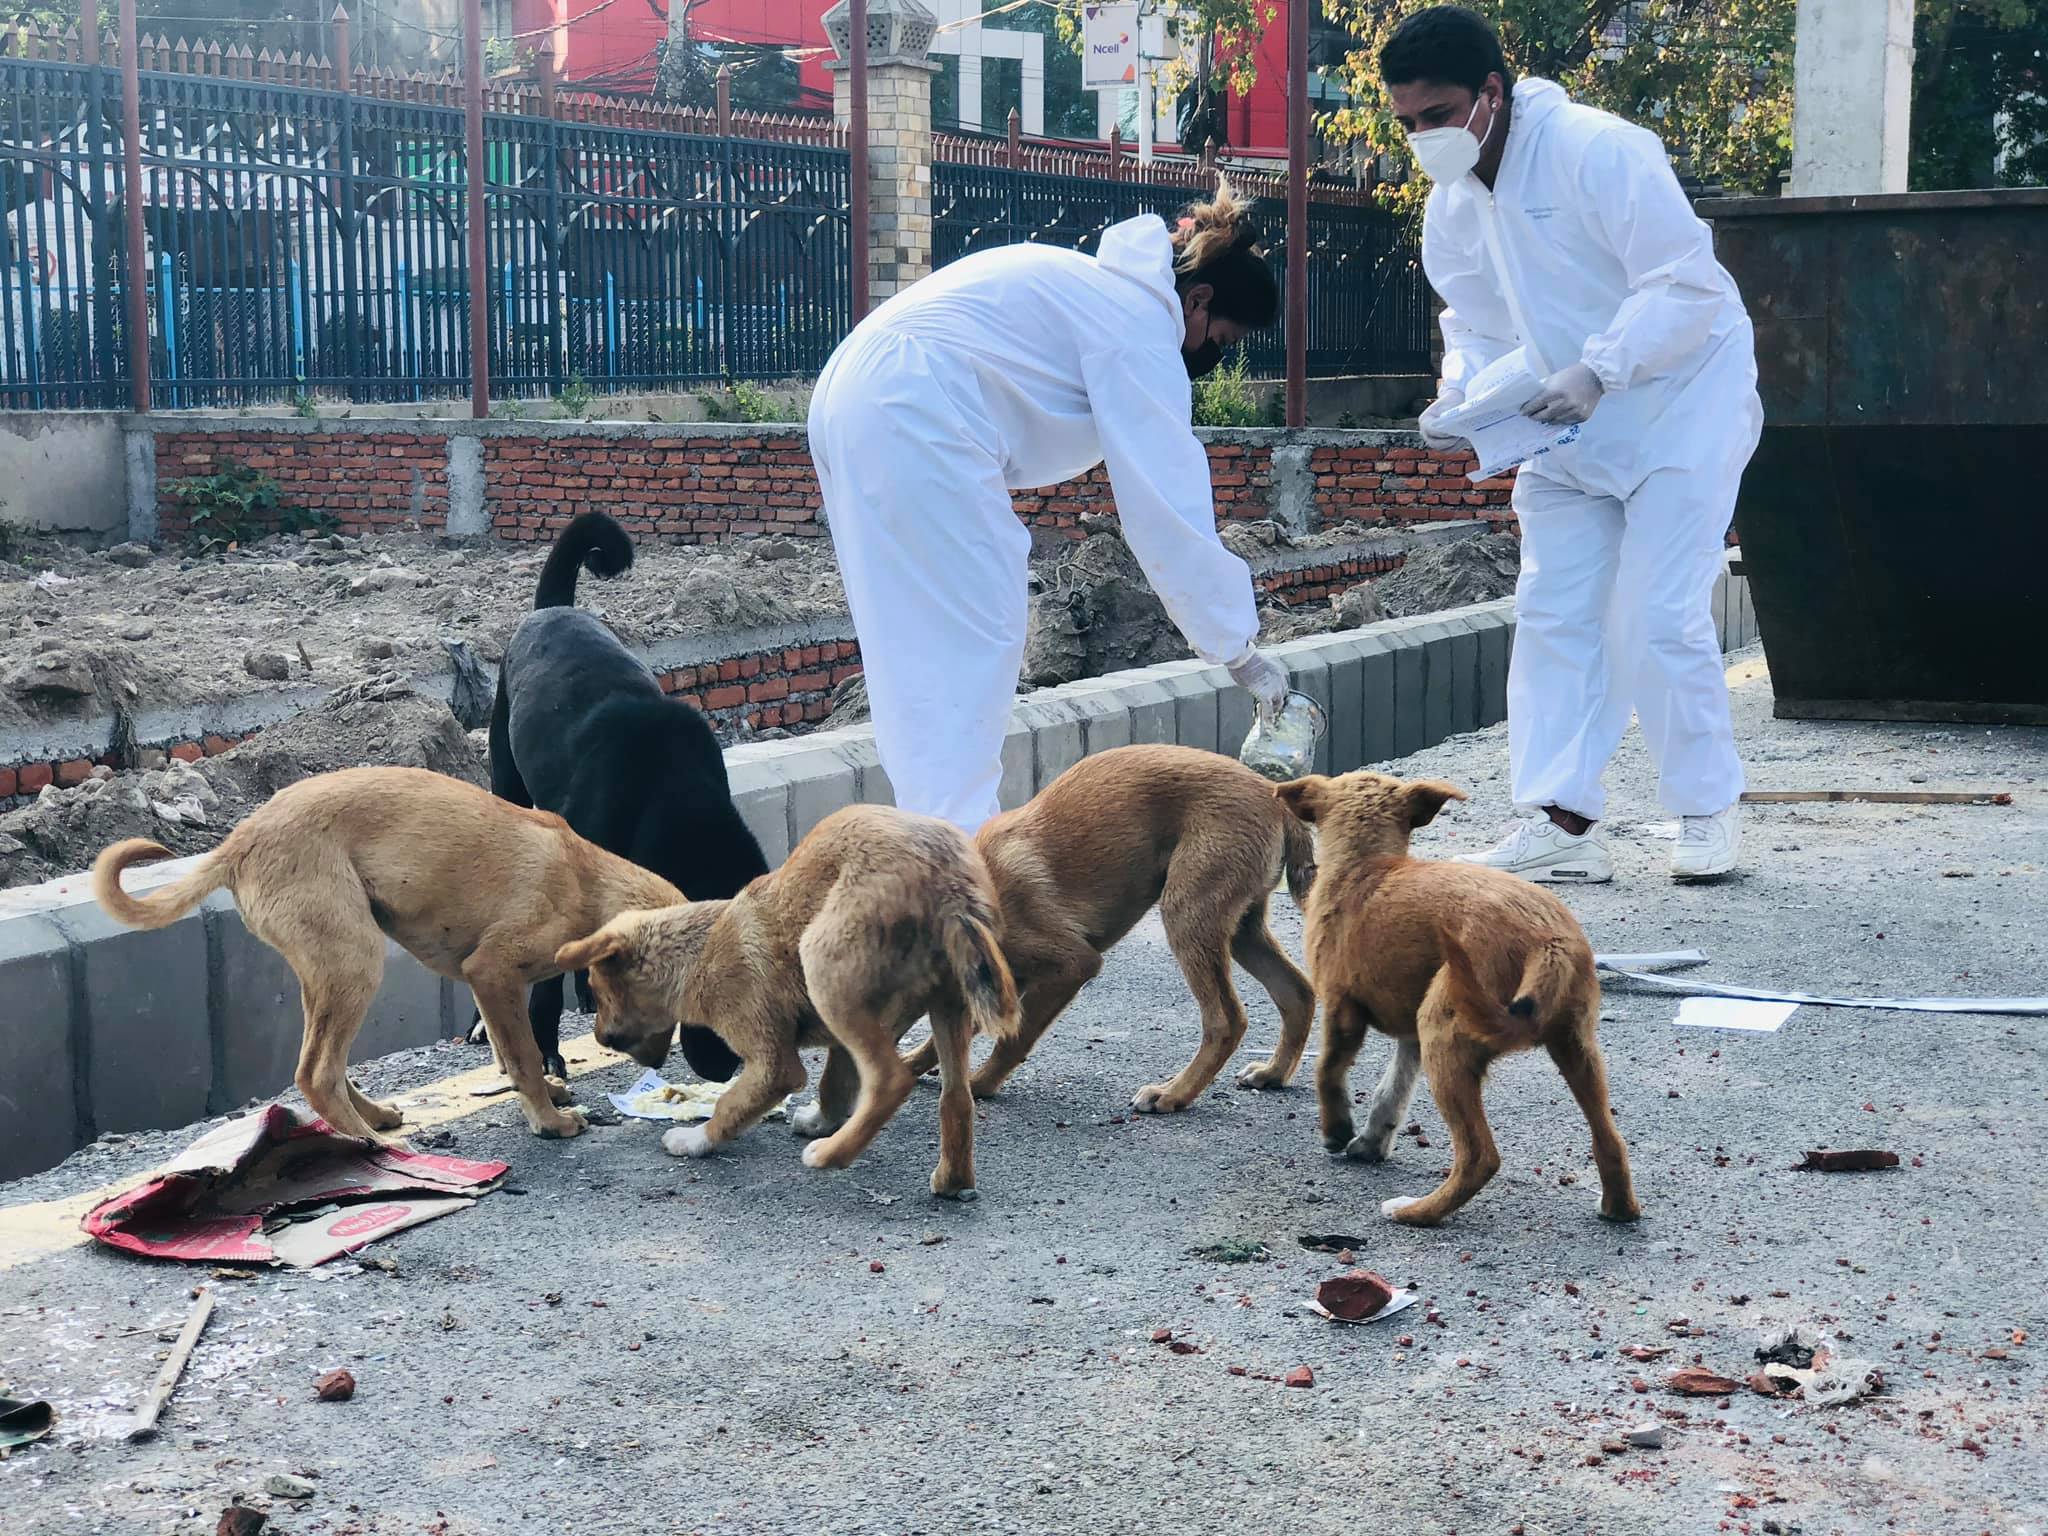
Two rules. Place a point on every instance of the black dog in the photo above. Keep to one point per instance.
(582, 728)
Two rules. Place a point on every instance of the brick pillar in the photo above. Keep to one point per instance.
(899, 168)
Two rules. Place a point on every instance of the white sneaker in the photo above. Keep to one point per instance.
(1707, 846)
(1539, 849)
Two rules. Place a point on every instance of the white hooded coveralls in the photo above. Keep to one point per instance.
(1595, 256)
(1022, 366)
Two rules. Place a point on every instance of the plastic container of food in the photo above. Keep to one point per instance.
(1285, 748)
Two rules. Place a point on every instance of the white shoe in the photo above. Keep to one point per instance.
(1539, 849)
(1707, 846)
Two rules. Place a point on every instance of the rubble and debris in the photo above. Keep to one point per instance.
(285, 1485)
(1697, 1381)
(1301, 1376)
(1452, 575)
(1648, 1437)
(1232, 1250)
(268, 666)
(152, 1408)
(1330, 1242)
(278, 1187)
(1877, 796)
(1846, 1160)
(1793, 1345)
(335, 1387)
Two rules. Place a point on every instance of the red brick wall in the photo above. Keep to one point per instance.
(791, 687)
(1317, 583)
(366, 481)
(1367, 482)
(682, 490)
(708, 489)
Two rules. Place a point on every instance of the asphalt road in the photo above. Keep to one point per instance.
(622, 1342)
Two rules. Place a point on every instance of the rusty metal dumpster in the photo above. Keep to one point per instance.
(1894, 522)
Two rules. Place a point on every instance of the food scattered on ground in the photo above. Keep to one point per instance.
(1830, 1160)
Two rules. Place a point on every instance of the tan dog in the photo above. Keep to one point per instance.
(1076, 868)
(877, 918)
(474, 888)
(1459, 964)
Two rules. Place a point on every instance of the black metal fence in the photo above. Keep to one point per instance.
(1368, 303)
(300, 240)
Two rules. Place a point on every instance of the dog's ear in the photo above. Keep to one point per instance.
(582, 954)
(1426, 797)
(1302, 796)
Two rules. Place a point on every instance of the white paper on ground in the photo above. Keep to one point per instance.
(2028, 1006)
(1400, 1302)
(1734, 1013)
(1490, 418)
(1658, 960)
(653, 1099)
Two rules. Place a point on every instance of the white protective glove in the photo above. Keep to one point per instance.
(1432, 439)
(1567, 398)
(1263, 678)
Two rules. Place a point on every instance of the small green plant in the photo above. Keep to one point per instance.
(236, 505)
(508, 410)
(305, 405)
(743, 400)
(577, 396)
(1225, 397)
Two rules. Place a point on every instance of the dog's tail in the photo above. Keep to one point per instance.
(983, 975)
(165, 906)
(1298, 854)
(593, 540)
(1546, 976)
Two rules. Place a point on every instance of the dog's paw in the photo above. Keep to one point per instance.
(1262, 1074)
(555, 1067)
(687, 1141)
(1621, 1214)
(1155, 1099)
(811, 1121)
(478, 1034)
(1397, 1209)
(560, 1125)
(560, 1092)
(1369, 1148)
(1336, 1138)
(822, 1154)
(966, 1194)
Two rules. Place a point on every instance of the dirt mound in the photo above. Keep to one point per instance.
(1091, 612)
(189, 808)
(1452, 575)
(63, 677)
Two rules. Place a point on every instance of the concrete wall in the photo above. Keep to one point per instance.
(103, 1028)
(63, 470)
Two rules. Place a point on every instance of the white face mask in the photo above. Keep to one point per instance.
(1445, 154)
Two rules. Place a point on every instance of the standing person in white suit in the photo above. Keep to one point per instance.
(1017, 367)
(1562, 229)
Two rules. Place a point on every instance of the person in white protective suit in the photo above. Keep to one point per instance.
(1563, 230)
(1025, 366)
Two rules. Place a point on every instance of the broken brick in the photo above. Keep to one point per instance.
(1697, 1381)
(335, 1387)
(1301, 1376)
(1355, 1296)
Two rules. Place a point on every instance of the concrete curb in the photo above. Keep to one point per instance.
(109, 1029)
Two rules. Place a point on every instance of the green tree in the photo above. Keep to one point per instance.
(1980, 94)
(1713, 77)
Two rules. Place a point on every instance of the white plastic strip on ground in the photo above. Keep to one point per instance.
(1620, 966)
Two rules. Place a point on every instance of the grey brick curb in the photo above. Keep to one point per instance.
(103, 1028)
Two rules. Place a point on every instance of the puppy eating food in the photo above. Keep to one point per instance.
(876, 919)
(1075, 869)
(474, 889)
(1460, 964)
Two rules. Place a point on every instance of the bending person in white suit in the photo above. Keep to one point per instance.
(1023, 366)
(1562, 229)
